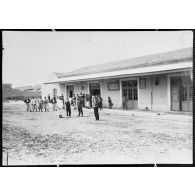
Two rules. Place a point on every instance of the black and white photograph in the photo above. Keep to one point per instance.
(97, 97)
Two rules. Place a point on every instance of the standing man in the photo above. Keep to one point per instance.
(40, 104)
(46, 104)
(62, 97)
(54, 102)
(27, 102)
(80, 106)
(70, 100)
(59, 106)
(36, 104)
(96, 105)
(74, 101)
(33, 104)
(90, 101)
(68, 108)
(93, 100)
(77, 99)
(87, 101)
(49, 99)
(100, 102)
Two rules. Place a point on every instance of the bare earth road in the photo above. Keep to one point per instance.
(41, 138)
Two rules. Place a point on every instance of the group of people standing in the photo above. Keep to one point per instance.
(59, 104)
(36, 104)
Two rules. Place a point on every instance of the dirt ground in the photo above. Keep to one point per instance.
(122, 137)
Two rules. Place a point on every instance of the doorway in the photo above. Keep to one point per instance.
(129, 90)
(94, 89)
(70, 90)
(181, 93)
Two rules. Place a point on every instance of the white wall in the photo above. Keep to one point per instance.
(105, 93)
(160, 94)
(144, 97)
(62, 89)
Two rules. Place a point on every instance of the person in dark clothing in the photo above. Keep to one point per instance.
(110, 104)
(100, 102)
(96, 106)
(49, 99)
(54, 103)
(27, 101)
(80, 106)
(68, 107)
(90, 101)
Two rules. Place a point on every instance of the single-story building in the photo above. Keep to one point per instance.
(161, 82)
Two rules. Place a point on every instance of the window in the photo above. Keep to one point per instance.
(130, 94)
(124, 83)
(134, 83)
(124, 92)
(142, 82)
(135, 94)
(130, 84)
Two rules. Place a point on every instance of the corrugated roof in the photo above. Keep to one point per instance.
(137, 62)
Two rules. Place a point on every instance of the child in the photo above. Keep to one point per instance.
(110, 104)
(125, 103)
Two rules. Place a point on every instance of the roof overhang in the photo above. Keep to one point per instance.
(149, 70)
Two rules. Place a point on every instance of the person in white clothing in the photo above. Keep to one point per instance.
(93, 101)
(33, 104)
(59, 106)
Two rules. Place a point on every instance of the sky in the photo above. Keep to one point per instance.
(30, 57)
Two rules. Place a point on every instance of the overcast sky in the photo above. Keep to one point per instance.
(30, 57)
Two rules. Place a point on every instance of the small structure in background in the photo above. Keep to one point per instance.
(20, 93)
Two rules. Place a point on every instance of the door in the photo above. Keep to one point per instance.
(94, 88)
(186, 94)
(70, 90)
(129, 90)
(181, 94)
(175, 94)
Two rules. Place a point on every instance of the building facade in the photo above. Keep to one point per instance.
(160, 82)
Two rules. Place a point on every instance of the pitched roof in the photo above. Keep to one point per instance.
(137, 62)
(58, 74)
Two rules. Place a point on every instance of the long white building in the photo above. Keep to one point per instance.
(161, 82)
